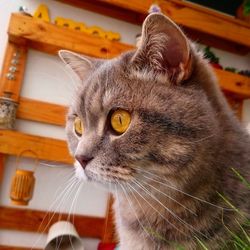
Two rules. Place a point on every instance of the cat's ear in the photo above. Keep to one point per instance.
(163, 49)
(80, 65)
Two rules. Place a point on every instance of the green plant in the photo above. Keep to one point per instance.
(246, 7)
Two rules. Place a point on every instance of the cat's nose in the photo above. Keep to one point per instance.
(83, 160)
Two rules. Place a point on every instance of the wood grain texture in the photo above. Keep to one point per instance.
(234, 83)
(2, 247)
(50, 38)
(40, 221)
(13, 86)
(191, 17)
(109, 234)
(30, 109)
(106, 9)
(235, 103)
(194, 17)
(13, 143)
(2, 157)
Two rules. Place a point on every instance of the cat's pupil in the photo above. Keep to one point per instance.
(120, 119)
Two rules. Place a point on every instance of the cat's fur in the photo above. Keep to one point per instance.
(183, 136)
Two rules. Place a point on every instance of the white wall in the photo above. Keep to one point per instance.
(45, 79)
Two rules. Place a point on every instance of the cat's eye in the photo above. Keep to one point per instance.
(120, 120)
(78, 126)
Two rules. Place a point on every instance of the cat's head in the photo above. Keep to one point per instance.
(142, 111)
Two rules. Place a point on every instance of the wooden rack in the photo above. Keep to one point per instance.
(202, 24)
(26, 32)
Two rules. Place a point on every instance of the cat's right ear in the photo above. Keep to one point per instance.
(78, 64)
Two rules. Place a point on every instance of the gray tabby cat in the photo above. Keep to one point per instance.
(153, 126)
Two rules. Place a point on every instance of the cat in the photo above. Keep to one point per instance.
(154, 128)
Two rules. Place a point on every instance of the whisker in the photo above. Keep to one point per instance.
(77, 187)
(56, 165)
(169, 210)
(202, 139)
(72, 189)
(162, 216)
(178, 190)
(171, 198)
(138, 202)
(132, 209)
(61, 195)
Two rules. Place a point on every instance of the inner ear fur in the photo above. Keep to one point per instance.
(79, 64)
(164, 49)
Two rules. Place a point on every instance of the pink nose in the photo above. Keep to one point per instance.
(83, 160)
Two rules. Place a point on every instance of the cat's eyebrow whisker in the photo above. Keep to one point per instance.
(171, 198)
(178, 190)
(169, 210)
(162, 216)
(132, 208)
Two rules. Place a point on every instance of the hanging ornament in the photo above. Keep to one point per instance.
(64, 232)
(23, 182)
(8, 109)
(154, 8)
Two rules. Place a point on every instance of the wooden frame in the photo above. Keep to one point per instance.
(200, 23)
(26, 32)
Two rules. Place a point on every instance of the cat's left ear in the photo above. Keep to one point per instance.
(80, 65)
(164, 49)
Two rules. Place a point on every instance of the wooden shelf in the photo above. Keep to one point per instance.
(204, 25)
(49, 38)
(38, 111)
(40, 221)
(13, 143)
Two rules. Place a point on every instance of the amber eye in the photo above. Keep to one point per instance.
(78, 126)
(120, 120)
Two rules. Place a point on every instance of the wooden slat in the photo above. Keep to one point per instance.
(109, 229)
(40, 221)
(39, 111)
(1, 167)
(13, 143)
(235, 83)
(194, 17)
(2, 247)
(104, 9)
(202, 24)
(14, 85)
(235, 103)
(50, 38)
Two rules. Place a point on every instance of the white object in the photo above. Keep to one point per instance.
(63, 235)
